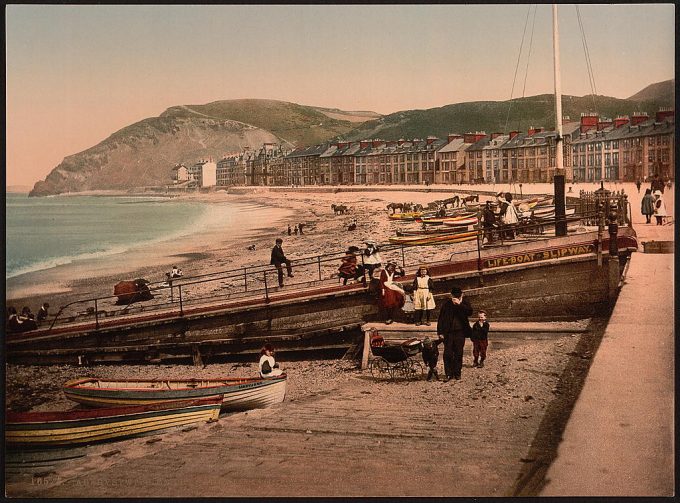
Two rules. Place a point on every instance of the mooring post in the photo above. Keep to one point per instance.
(318, 260)
(614, 271)
(181, 307)
(266, 290)
(96, 315)
(245, 279)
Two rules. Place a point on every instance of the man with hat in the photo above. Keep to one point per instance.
(454, 325)
(279, 258)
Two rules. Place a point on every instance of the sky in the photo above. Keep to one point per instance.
(75, 74)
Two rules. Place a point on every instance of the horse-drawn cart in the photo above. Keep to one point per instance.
(395, 359)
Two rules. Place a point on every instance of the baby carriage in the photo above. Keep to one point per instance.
(395, 359)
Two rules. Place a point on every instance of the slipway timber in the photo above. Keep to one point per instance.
(532, 277)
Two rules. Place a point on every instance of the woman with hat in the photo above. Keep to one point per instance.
(659, 207)
(348, 268)
(391, 294)
(422, 295)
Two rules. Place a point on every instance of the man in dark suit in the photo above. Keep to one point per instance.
(454, 325)
(279, 258)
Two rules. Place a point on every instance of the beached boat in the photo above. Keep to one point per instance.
(408, 216)
(454, 237)
(238, 393)
(46, 429)
(461, 222)
(442, 220)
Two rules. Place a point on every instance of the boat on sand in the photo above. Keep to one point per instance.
(237, 393)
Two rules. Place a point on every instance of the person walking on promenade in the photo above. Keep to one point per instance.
(348, 268)
(372, 258)
(647, 205)
(300, 226)
(657, 184)
(488, 222)
(480, 339)
(295, 230)
(431, 356)
(391, 294)
(423, 300)
(509, 216)
(638, 184)
(454, 326)
(659, 207)
(279, 258)
(289, 231)
(267, 365)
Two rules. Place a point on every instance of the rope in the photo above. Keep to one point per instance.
(526, 71)
(526, 22)
(591, 76)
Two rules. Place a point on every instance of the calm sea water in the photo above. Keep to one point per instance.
(48, 231)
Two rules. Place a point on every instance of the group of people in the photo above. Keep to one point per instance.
(507, 217)
(453, 327)
(653, 204)
(296, 230)
(26, 320)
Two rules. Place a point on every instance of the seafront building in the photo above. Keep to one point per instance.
(595, 148)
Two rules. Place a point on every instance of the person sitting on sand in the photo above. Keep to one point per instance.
(268, 366)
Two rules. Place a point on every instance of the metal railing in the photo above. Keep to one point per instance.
(174, 297)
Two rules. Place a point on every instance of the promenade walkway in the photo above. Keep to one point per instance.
(620, 436)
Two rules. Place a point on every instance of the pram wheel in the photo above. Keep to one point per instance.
(379, 367)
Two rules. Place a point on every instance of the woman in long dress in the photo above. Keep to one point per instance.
(391, 294)
(422, 295)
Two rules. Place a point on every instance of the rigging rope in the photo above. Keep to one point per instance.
(591, 76)
(526, 71)
(526, 22)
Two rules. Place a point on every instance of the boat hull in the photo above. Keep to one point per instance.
(52, 429)
(237, 394)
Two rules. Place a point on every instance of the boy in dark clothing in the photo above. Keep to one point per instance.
(431, 356)
(480, 339)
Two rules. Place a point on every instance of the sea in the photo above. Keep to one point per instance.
(44, 232)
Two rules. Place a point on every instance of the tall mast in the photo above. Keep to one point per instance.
(559, 155)
(558, 178)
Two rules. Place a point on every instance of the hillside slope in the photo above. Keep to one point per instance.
(144, 153)
(656, 92)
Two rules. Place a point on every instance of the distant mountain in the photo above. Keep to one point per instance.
(661, 92)
(144, 153)
(504, 116)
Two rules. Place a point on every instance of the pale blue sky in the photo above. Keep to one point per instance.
(87, 71)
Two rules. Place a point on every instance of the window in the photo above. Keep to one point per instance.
(652, 156)
(615, 158)
(652, 141)
(608, 145)
(615, 144)
(607, 159)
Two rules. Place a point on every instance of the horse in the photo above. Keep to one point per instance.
(339, 209)
(471, 198)
(434, 205)
(453, 201)
(408, 207)
(417, 207)
(395, 206)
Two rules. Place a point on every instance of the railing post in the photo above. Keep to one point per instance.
(479, 255)
(245, 279)
(181, 306)
(266, 290)
(403, 257)
(318, 260)
(96, 315)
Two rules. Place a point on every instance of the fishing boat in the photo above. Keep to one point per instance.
(461, 222)
(456, 237)
(52, 429)
(237, 393)
(441, 220)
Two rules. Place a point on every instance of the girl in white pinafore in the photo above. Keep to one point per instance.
(268, 366)
(422, 295)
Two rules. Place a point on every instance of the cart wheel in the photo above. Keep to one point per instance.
(379, 367)
(417, 370)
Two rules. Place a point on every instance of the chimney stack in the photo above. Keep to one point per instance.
(376, 143)
(588, 121)
(604, 123)
(638, 117)
(453, 136)
(431, 139)
(513, 134)
(665, 114)
(620, 121)
(495, 135)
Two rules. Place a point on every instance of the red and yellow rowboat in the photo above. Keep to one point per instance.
(47, 429)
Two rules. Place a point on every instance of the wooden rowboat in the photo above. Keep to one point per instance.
(461, 222)
(442, 220)
(408, 216)
(238, 393)
(45, 429)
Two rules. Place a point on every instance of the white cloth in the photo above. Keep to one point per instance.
(422, 297)
(510, 216)
(393, 286)
(660, 211)
(373, 258)
(270, 360)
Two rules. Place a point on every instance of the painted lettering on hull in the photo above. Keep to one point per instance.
(525, 258)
